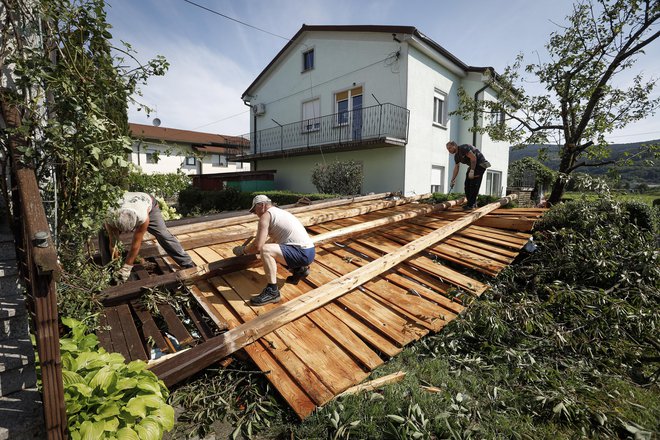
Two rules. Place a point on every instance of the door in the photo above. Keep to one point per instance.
(357, 117)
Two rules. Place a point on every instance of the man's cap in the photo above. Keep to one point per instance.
(261, 198)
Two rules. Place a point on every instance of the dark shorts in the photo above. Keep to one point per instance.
(296, 256)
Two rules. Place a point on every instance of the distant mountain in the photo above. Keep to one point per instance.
(635, 174)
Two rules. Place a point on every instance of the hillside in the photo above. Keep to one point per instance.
(633, 175)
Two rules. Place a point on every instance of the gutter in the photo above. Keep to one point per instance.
(476, 115)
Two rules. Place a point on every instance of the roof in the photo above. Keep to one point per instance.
(410, 30)
(141, 131)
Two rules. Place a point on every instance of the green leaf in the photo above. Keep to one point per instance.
(104, 378)
(396, 418)
(127, 434)
(92, 431)
(164, 416)
(70, 377)
(149, 430)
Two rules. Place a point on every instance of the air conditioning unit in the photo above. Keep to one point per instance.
(259, 109)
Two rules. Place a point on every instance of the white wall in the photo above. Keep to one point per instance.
(381, 169)
(172, 158)
(341, 61)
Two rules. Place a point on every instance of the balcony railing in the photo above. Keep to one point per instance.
(380, 122)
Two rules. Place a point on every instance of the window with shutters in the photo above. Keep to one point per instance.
(311, 112)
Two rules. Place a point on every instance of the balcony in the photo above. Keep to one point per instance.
(378, 126)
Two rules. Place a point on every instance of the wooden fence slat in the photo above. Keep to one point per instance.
(131, 335)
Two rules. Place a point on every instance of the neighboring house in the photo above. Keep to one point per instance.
(167, 150)
(380, 95)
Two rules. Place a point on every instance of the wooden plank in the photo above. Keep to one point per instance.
(150, 330)
(196, 359)
(375, 384)
(326, 361)
(202, 327)
(280, 346)
(118, 341)
(131, 335)
(207, 300)
(174, 325)
(103, 332)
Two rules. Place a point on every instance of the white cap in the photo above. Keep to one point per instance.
(261, 198)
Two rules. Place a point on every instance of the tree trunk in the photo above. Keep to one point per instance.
(567, 162)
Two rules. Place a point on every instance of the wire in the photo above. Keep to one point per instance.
(220, 120)
(235, 20)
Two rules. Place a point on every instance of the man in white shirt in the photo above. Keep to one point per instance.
(138, 213)
(280, 238)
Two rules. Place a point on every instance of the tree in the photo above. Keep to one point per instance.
(603, 39)
(72, 88)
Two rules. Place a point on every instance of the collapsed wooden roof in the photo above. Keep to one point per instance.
(386, 273)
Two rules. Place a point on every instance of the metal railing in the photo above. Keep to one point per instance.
(355, 126)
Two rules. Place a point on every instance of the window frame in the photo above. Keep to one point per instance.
(350, 94)
(216, 160)
(151, 156)
(440, 118)
(308, 58)
(489, 183)
(189, 159)
(441, 186)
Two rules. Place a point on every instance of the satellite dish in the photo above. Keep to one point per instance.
(156, 122)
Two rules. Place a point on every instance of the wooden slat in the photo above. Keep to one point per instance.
(202, 327)
(103, 333)
(174, 325)
(131, 335)
(149, 328)
(118, 341)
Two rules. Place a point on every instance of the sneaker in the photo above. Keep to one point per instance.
(468, 207)
(267, 296)
(188, 266)
(298, 274)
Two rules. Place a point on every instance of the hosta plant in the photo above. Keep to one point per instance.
(107, 398)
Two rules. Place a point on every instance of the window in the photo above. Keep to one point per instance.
(498, 117)
(219, 160)
(190, 160)
(494, 183)
(440, 108)
(346, 102)
(152, 156)
(437, 179)
(311, 111)
(308, 60)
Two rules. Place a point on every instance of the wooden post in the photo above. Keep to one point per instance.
(43, 270)
(196, 359)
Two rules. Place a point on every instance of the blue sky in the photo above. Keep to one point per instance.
(213, 59)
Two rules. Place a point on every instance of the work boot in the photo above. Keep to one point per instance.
(267, 296)
(298, 274)
(468, 207)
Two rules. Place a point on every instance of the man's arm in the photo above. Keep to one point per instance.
(262, 235)
(473, 164)
(136, 243)
(113, 235)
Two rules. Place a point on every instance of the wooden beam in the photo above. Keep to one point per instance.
(153, 249)
(131, 289)
(374, 384)
(196, 359)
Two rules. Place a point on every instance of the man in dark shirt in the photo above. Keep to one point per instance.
(477, 164)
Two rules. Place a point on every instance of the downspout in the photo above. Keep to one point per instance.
(476, 114)
(254, 133)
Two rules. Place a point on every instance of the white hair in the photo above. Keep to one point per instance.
(124, 220)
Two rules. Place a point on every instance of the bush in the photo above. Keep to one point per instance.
(165, 186)
(193, 201)
(640, 214)
(343, 178)
(107, 398)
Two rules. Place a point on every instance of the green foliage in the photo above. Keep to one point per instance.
(193, 201)
(107, 398)
(583, 102)
(79, 145)
(238, 396)
(343, 178)
(165, 185)
(544, 175)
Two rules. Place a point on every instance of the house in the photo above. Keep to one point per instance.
(379, 95)
(168, 150)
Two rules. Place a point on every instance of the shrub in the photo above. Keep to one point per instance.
(193, 201)
(166, 185)
(338, 177)
(107, 398)
(640, 214)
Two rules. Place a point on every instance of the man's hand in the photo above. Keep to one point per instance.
(124, 273)
(452, 183)
(471, 174)
(239, 250)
